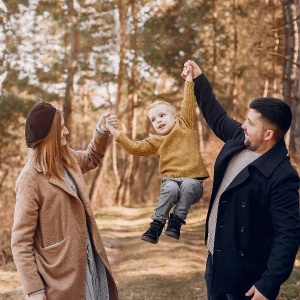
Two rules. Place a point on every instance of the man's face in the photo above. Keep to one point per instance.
(163, 118)
(255, 131)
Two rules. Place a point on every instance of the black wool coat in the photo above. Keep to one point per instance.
(258, 224)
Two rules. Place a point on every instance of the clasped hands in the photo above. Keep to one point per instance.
(196, 71)
(108, 119)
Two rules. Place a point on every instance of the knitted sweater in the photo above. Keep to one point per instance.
(178, 152)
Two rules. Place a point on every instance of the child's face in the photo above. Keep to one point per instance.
(163, 118)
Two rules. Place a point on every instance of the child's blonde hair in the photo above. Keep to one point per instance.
(160, 102)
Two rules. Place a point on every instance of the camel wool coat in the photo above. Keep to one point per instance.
(49, 236)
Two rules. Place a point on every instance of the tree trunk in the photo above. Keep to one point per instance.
(291, 78)
(132, 100)
(122, 9)
(72, 40)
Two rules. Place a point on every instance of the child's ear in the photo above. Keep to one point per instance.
(176, 116)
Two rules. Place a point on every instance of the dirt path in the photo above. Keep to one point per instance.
(168, 270)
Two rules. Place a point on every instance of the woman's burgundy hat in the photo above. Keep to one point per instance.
(38, 123)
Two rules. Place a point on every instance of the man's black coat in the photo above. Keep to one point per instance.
(258, 226)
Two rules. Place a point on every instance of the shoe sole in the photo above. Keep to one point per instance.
(172, 234)
(146, 239)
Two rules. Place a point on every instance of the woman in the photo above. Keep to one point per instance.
(56, 244)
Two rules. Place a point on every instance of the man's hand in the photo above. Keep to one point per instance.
(256, 294)
(196, 69)
(190, 66)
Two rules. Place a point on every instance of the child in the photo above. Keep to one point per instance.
(180, 161)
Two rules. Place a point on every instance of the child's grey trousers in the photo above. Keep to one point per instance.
(181, 193)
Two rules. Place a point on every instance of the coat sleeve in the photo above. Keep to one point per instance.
(284, 206)
(92, 157)
(141, 148)
(23, 231)
(223, 126)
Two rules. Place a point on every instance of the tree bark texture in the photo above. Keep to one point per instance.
(72, 45)
(291, 78)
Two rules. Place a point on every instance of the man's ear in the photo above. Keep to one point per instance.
(269, 134)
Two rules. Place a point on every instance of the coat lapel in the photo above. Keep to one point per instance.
(77, 176)
(63, 184)
(266, 164)
(239, 179)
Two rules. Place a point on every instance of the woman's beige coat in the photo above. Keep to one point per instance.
(49, 235)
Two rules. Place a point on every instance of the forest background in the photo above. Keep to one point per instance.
(89, 56)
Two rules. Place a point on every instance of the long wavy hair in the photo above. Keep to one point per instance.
(50, 155)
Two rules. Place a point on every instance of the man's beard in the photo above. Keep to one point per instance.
(249, 145)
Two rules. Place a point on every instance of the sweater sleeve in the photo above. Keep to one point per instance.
(188, 106)
(141, 148)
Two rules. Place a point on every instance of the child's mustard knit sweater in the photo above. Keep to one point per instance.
(178, 152)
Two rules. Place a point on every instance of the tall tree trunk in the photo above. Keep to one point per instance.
(215, 42)
(122, 9)
(72, 41)
(3, 37)
(291, 85)
(132, 100)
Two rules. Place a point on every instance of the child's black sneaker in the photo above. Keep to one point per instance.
(153, 233)
(174, 225)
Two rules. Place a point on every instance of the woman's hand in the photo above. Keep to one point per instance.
(102, 121)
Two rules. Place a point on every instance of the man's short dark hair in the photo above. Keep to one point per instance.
(276, 112)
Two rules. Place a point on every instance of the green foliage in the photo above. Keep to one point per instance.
(12, 108)
(170, 38)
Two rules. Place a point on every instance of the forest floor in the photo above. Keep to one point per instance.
(168, 270)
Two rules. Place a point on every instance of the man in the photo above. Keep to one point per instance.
(253, 226)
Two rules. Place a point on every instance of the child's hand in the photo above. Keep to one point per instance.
(187, 72)
(112, 121)
(112, 125)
